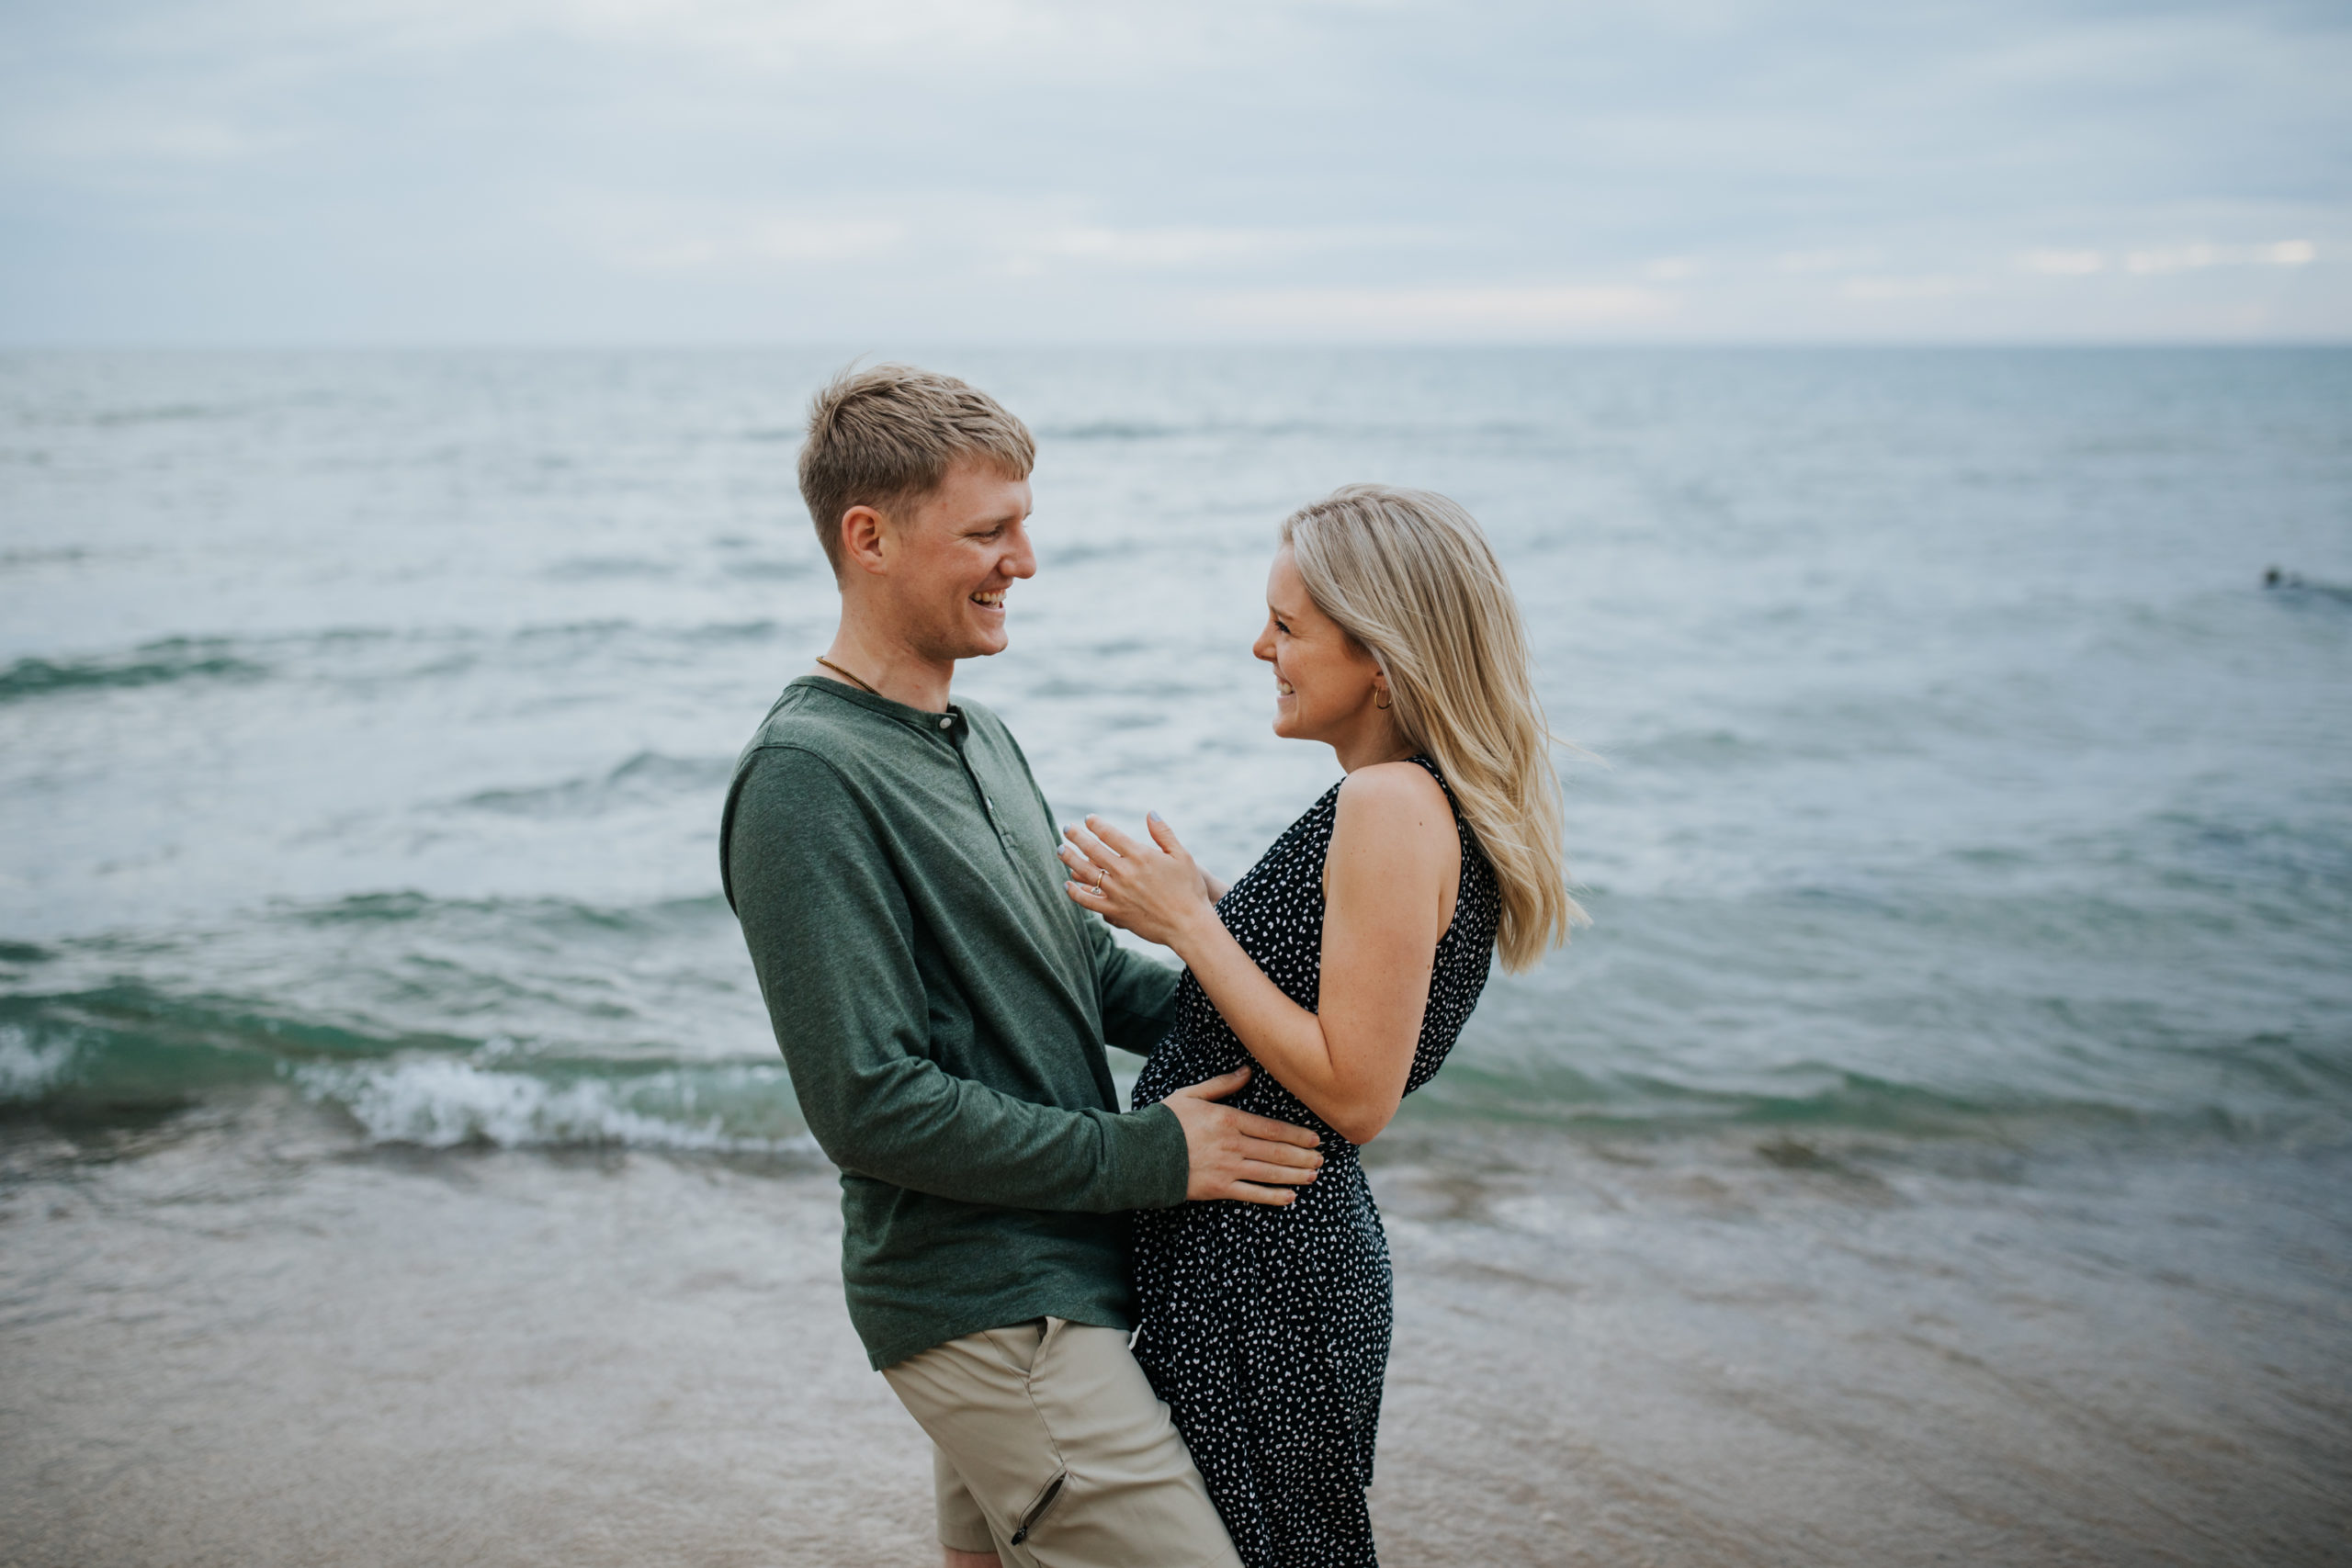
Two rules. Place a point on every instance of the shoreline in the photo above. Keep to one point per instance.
(247, 1339)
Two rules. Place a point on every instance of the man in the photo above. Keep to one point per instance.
(943, 1007)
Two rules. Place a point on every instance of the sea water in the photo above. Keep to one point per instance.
(1948, 773)
(1938, 1150)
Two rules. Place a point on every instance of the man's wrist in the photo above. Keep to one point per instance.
(1174, 1181)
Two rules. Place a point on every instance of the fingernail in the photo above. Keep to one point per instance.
(1156, 817)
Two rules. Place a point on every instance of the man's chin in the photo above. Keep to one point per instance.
(982, 644)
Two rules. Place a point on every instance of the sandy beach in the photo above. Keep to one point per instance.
(254, 1340)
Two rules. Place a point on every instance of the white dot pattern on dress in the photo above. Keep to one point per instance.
(1266, 1329)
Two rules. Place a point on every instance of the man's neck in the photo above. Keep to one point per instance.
(889, 668)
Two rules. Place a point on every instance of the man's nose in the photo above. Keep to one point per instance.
(1022, 560)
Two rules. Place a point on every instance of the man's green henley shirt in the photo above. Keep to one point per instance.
(943, 1006)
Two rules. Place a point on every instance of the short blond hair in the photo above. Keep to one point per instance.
(1408, 574)
(887, 435)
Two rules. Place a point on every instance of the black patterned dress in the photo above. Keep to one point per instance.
(1266, 1329)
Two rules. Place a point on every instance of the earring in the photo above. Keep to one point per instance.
(1380, 699)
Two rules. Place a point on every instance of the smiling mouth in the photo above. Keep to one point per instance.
(991, 600)
(1284, 688)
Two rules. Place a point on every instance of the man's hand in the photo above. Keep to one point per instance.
(1235, 1155)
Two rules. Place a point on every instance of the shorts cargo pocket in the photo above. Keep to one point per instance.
(1039, 1509)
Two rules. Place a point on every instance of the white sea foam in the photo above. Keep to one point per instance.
(30, 1068)
(441, 1102)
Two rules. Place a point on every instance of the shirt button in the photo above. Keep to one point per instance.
(947, 721)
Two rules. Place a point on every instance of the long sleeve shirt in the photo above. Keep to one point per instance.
(942, 1008)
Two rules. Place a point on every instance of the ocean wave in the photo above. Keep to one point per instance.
(1818, 1097)
(30, 1068)
(369, 659)
(1111, 430)
(1810, 1096)
(153, 663)
(555, 916)
(590, 569)
(19, 560)
(131, 414)
(443, 1102)
(127, 1055)
(769, 569)
(2294, 587)
(648, 776)
(131, 1048)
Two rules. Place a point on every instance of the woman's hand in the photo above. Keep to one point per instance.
(1153, 890)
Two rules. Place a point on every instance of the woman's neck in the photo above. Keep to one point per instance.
(1373, 743)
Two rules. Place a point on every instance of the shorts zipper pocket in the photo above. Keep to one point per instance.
(1038, 1509)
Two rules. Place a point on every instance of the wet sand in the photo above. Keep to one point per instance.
(248, 1341)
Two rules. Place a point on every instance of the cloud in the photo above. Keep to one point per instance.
(2062, 263)
(1422, 312)
(1834, 260)
(1181, 247)
(2195, 258)
(1934, 285)
(295, 170)
(2158, 260)
(839, 238)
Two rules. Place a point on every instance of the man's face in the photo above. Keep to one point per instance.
(957, 550)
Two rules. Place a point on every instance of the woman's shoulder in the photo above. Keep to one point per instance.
(1393, 800)
(1400, 786)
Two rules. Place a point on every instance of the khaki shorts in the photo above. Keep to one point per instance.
(1051, 1450)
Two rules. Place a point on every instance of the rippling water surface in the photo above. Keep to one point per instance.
(364, 720)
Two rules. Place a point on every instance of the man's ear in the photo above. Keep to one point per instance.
(864, 540)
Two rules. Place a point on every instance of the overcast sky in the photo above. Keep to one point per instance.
(748, 171)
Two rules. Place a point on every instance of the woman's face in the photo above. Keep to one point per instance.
(1324, 680)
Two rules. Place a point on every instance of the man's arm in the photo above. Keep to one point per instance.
(1137, 994)
(831, 939)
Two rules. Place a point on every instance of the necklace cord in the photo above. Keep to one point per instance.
(846, 675)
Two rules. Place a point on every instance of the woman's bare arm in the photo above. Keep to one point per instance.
(1389, 881)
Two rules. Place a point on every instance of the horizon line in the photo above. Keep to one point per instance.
(690, 344)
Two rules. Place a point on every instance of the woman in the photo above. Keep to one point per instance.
(1342, 967)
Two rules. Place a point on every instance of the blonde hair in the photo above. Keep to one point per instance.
(887, 435)
(1409, 575)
